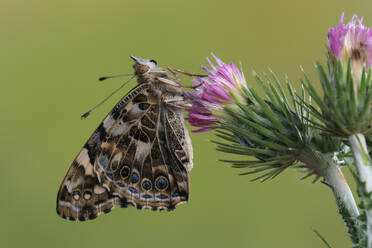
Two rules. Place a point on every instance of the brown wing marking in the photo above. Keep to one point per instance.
(120, 159)
(81, 195)
(175, 139)
(178, 137)
(133, 164)
(176, 192)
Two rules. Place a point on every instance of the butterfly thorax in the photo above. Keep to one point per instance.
(150, 74)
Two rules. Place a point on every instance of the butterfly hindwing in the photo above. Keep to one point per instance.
(178, 138)
(137, 162)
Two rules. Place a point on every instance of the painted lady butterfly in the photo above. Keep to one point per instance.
(140, 155)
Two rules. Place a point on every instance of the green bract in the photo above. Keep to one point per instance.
(276, 132)
(345, 108)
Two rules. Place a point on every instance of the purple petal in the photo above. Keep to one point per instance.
(211, 64)
(336, 39)
(202, 130)
(203, 117)
(358, 38)
(206, 69)
(218, 60)
(213, 93)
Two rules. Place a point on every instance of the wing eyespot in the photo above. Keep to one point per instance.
(125, 171)
(161, 183)
(87, 195)
(76, 195)
(134, 178)
(146, 184)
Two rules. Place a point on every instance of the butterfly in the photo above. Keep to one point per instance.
(140, 155)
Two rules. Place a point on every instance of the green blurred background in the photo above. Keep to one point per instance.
(52, 53)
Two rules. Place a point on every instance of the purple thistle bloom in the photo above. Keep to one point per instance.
(352, 40)
(208, 100)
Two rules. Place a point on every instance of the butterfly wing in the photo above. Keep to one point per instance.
(178, 138)
(137, 159)
(81, 195)
(179, 148)
(140, 155)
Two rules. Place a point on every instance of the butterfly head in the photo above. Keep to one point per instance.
(145, 66)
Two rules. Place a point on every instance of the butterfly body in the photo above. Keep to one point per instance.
(140, 155)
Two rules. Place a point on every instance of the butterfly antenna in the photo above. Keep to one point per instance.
(104, 100)
(114, 76)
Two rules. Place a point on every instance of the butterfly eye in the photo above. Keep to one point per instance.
(153, 61)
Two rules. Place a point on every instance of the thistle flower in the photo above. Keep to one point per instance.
(265, 129)
(352, 41)
(346, 81)
(215, 91)
(346, 109)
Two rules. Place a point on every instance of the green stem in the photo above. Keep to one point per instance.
(334, 178)
(362, 160)
(364, 168)
(332, 175)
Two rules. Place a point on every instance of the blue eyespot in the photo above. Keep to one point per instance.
(161, 183)
(134, 178)
(146, 184)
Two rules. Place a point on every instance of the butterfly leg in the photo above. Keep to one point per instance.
(177, 102)
(170, 82)
(178, 106)
(174, 70)
(174, 75)
(169, 98)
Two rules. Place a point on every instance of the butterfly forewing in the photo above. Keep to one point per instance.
(140, 155)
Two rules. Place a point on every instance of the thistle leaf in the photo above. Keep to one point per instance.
(322, 238)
